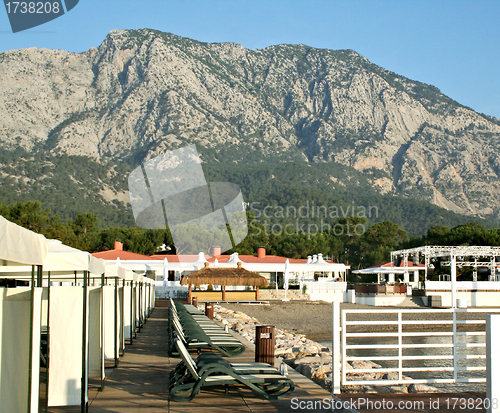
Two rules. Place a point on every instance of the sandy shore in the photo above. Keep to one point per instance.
(314, 318)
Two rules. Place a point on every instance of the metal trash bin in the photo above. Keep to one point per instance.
(265, 338)
(209, 310)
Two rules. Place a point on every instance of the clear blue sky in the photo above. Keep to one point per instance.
(451, 44)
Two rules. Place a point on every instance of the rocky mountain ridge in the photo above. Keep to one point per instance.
(143, 92)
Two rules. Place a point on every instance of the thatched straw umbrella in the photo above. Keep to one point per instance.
(225, 276)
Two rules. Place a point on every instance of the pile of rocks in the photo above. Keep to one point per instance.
(312, 359)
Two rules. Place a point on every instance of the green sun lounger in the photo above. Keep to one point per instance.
(229, 347)
(208, 359)
(200, 333)
(186, 386)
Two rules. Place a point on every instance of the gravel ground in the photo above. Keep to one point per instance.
(314, 318)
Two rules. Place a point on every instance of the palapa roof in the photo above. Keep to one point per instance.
(225, 276)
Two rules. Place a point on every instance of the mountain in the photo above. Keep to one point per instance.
(143, 92)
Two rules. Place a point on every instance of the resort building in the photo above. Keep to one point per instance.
(168, 270)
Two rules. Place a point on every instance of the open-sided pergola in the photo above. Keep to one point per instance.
(224, 276)
(462, 256)
(458, 256)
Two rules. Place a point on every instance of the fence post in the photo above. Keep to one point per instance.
(336, 347)
(492, 362)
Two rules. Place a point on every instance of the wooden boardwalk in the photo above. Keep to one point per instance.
(140, 384)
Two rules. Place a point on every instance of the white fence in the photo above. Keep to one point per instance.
(449, 346)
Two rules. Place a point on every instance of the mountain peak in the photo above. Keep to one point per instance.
(143, 92)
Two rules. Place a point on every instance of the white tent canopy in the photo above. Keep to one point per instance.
(86, 324)
(117, 271)
(21, 245)
(62, 258)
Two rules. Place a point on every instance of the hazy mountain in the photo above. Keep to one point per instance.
(144, 92)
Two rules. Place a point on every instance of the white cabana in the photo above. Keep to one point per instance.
(64, 259)
(84, 324)
(74, 328)
(117, 302)
(68, 316)
(19, 329)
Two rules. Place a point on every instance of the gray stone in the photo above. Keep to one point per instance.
(391, 376)
(421, 388)
(360, 364)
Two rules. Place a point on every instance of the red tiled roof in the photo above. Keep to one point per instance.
(126, 255)
(268, 259)
(175, 258)
(123, 255)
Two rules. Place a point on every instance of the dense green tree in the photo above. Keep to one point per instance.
(467, 234)
(31, 215)
(85, 223)
(378, 241)
(437, 235)
(491, 237)
(352, 240)
(345, 237)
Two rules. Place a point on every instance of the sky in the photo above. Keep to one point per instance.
(451, 44)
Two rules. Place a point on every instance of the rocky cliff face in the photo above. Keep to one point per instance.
(143, 92)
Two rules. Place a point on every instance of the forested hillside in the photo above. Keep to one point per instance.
(71, 185)
(353, 242)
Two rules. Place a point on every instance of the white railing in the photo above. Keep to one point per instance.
(455, 357)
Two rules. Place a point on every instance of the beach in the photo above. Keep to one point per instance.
(314, 318)
(311, 318)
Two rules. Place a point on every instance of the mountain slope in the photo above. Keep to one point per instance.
(71, 185)
(144, 92)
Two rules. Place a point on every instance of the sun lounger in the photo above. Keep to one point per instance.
(229, 347)
(207, 359)
(193, 327)
(184, 387)
(197, 335)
